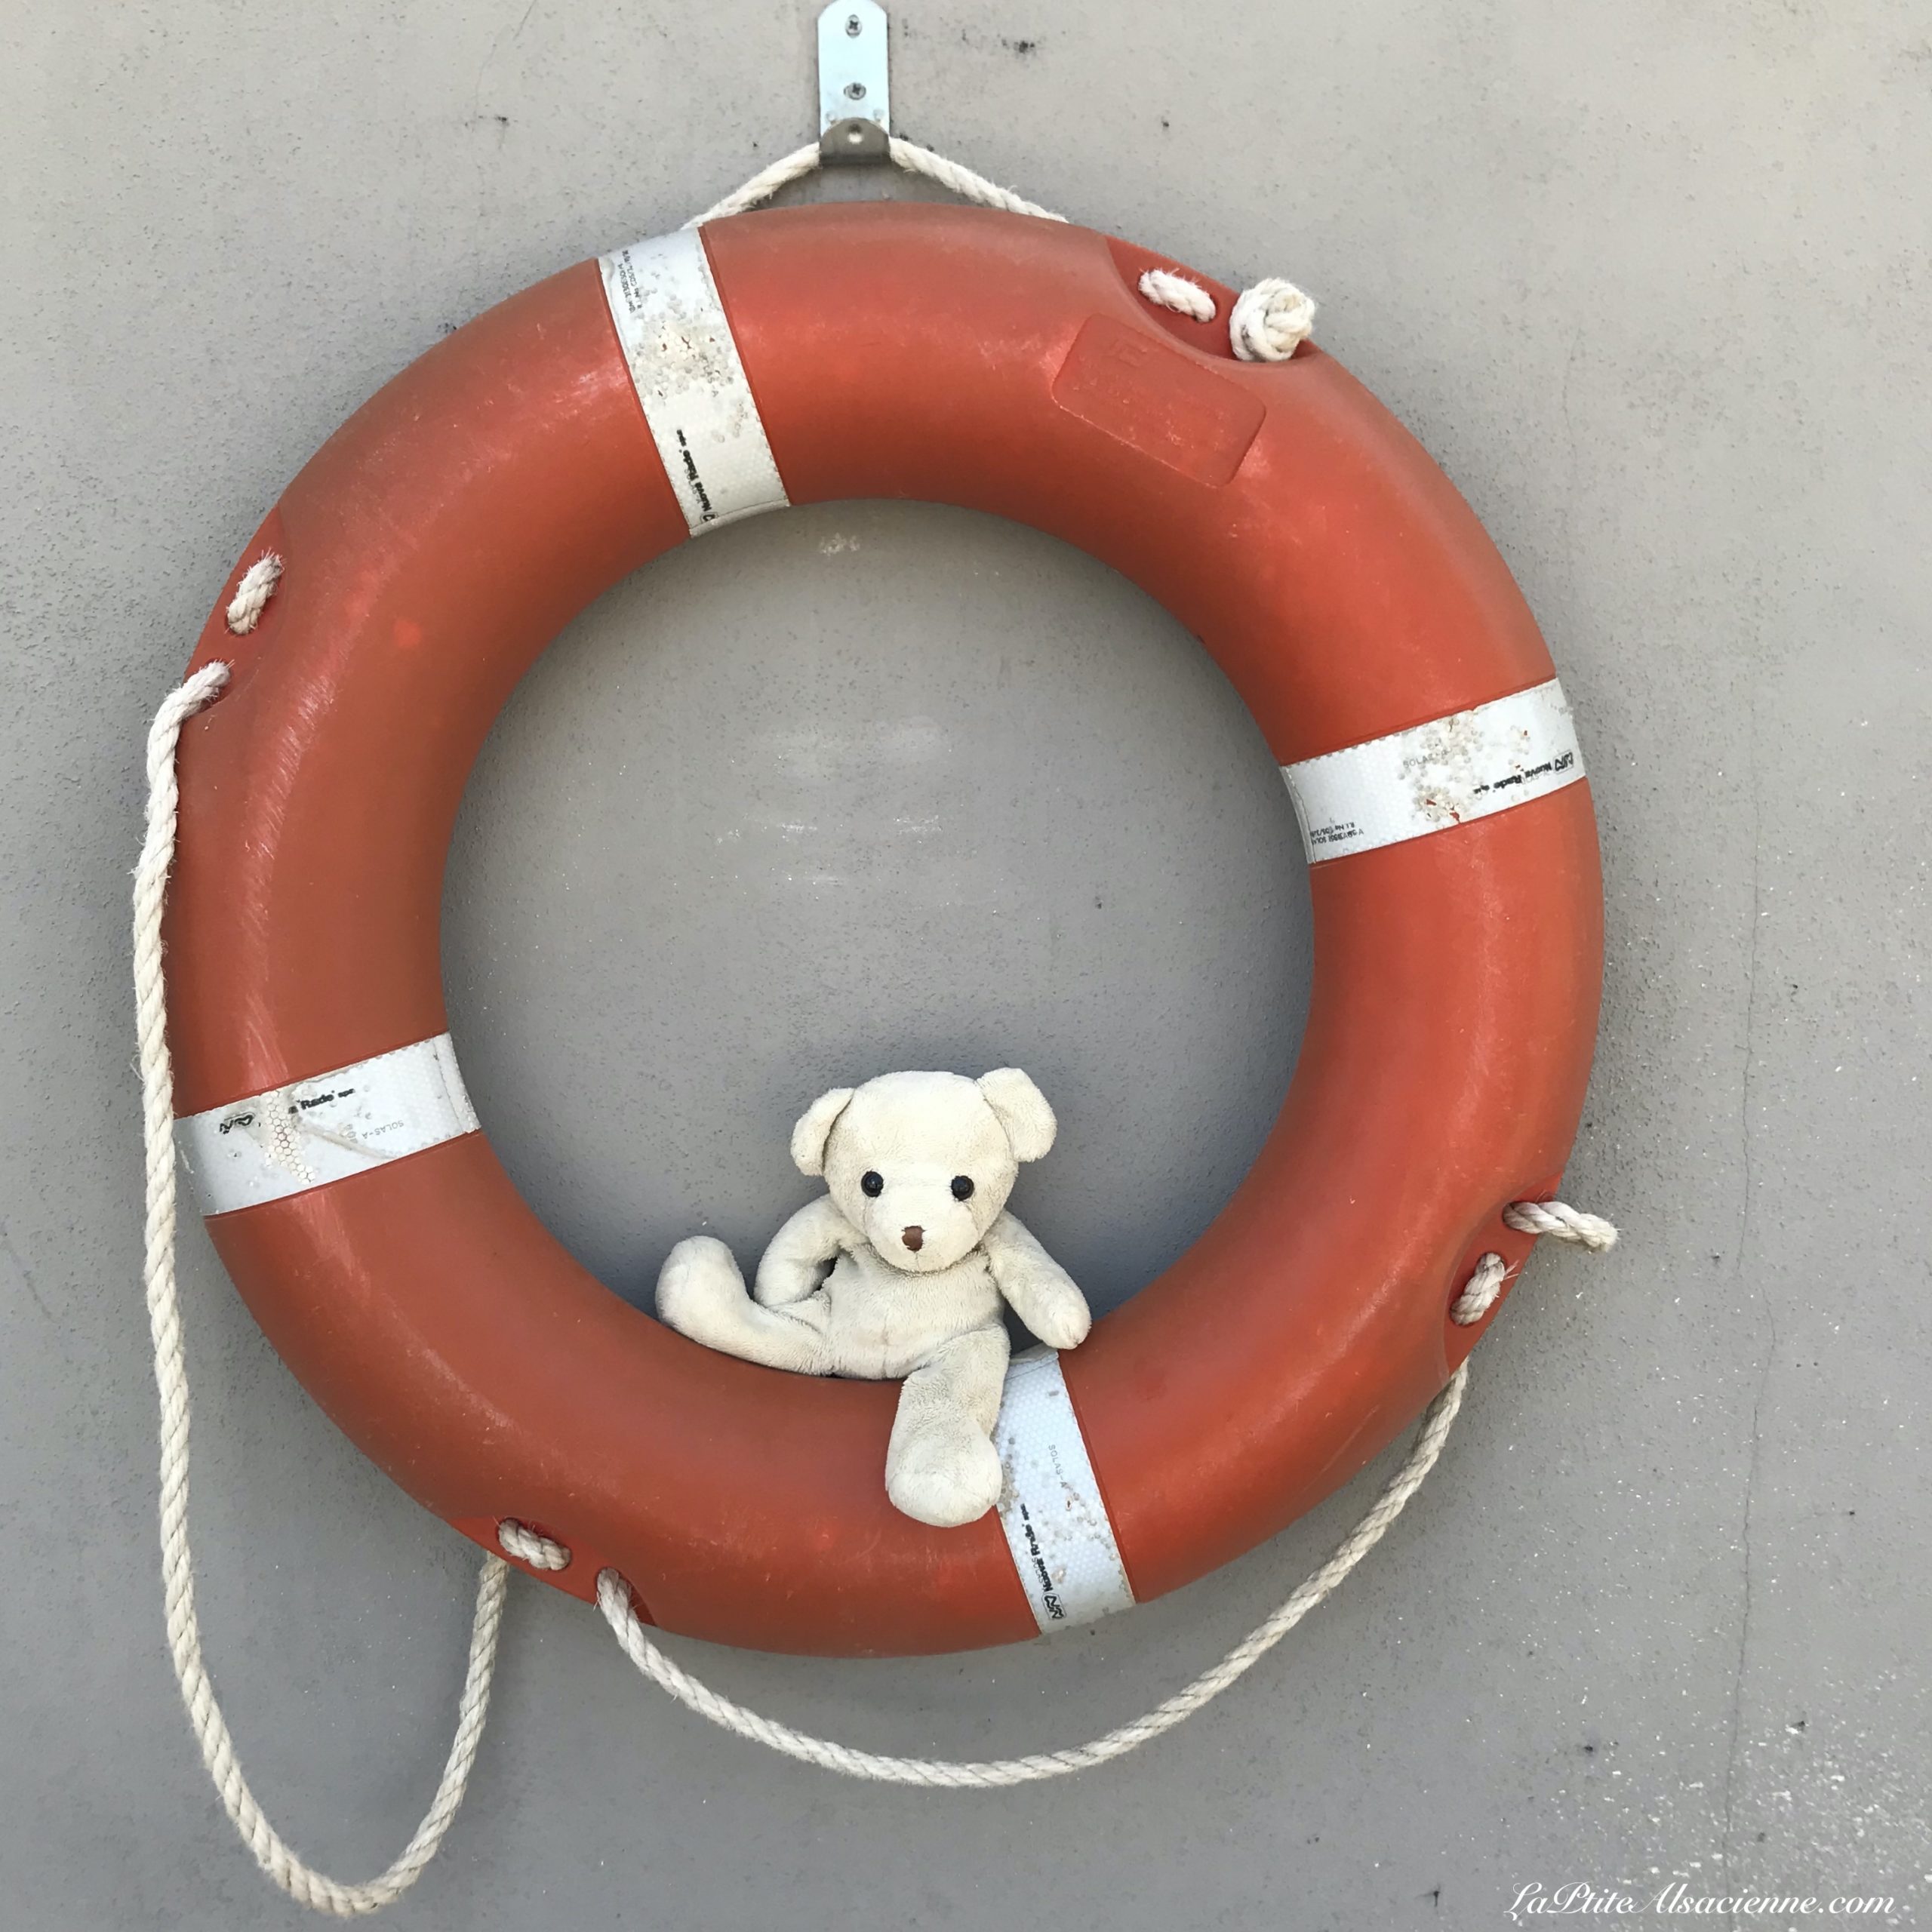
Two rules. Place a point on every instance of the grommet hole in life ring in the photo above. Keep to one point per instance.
(858, 786)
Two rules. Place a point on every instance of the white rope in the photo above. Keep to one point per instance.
(1479, 1291)
(613, 1598)
(301, 1882)
(1270, 320)
(1167, 289)
(961, 180)
(766, 182)
(1561, 1222)
(531, 1547)
(1558, 1219)
(1268, 323)
(252, 593)
(906, 155)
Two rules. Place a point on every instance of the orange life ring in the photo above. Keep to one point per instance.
(442, 537)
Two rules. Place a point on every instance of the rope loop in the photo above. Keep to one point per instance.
(301, 1882)
(613, 1599)
(1268, 323)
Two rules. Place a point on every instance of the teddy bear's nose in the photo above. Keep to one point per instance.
(915, 1238)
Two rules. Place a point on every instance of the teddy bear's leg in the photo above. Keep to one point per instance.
(941, 1466)
(701, 1294)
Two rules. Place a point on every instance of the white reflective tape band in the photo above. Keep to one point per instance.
(1050, 1504)
(313, 1132)
(689, 378)
(1466, 766)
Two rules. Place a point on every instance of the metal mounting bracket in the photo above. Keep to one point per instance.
(854, 101)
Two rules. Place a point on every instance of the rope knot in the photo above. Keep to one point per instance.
(1271, 321)
(1268, 323)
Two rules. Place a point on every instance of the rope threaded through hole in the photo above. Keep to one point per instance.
(531, 1547)
(252, 593)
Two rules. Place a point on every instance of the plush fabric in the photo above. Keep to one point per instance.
(891, 1274)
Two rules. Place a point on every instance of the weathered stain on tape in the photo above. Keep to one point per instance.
(1450, 769)
(684, 364)
(313, 1132)
(1050, 1504)
(1436, 775)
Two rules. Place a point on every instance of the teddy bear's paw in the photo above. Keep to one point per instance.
(698, 1288)
(944, 1477)
(1063, 1322)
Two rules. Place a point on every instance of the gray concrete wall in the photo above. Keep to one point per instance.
(1652, 281)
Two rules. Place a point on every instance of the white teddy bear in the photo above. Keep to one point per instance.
(920, 1250)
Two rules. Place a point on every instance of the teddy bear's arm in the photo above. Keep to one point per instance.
(1042, 1293)
(794, 1265)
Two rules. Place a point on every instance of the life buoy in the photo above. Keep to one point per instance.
(443, 535)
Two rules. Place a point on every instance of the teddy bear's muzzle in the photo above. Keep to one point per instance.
(917, 1226)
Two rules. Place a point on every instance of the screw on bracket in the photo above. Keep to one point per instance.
(854, 101)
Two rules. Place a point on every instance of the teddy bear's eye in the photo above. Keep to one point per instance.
(871, 1183)
(962, 1187)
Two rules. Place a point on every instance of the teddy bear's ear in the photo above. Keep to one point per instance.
(814, 1129)
(1022, 1110)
